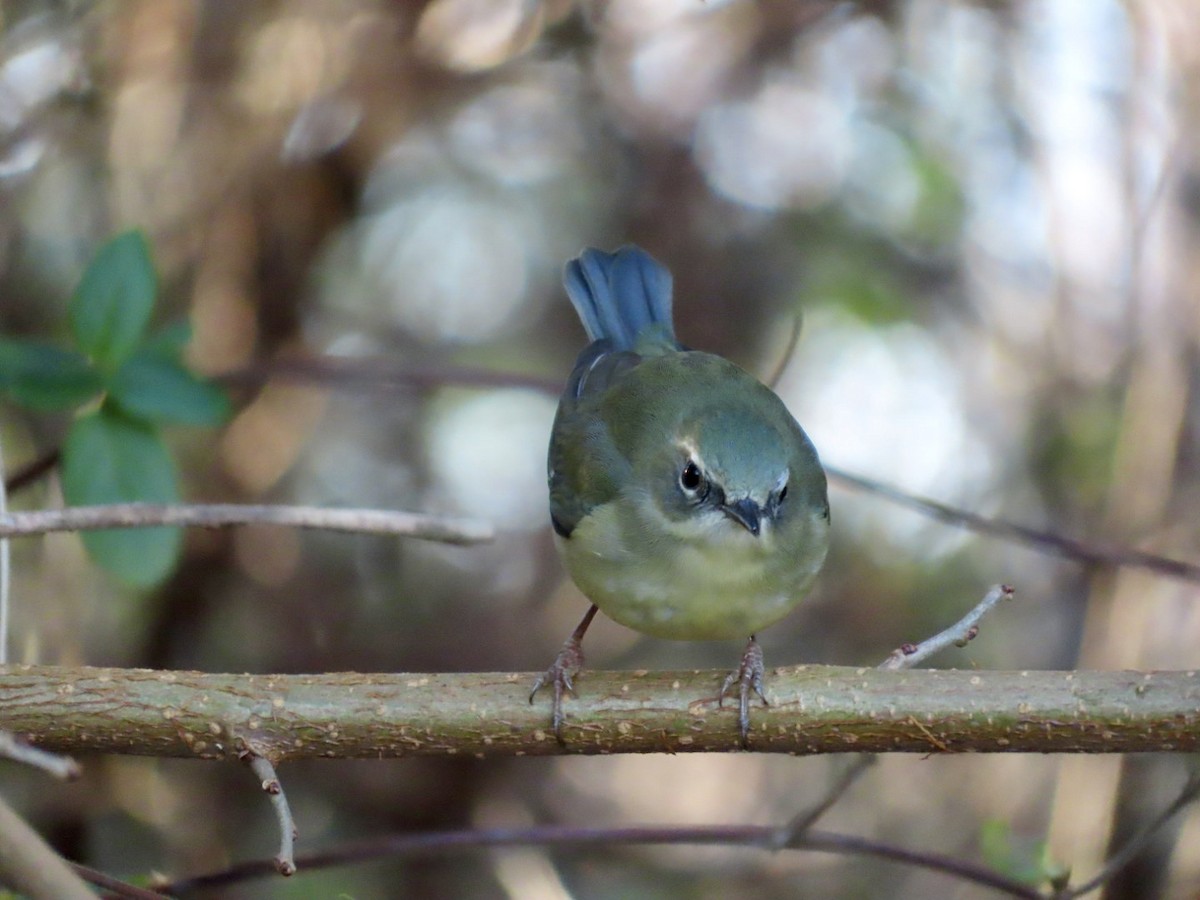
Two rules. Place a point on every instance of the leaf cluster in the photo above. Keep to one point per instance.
(122, 385)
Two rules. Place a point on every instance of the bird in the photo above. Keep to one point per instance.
(686, 501)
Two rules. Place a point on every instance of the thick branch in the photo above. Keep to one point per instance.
(814, 709)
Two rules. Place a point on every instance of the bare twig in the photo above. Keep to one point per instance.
(786, 835)
(753, 836)
(1188, 794)
(960, 633)
(30, 473)
(793, 341)
(381, 375)
(113, 887)
(216, 515)
(5, 578)
(1042, 541)
(61, 767)
(30, 866)
(285, 860)
(905, 657)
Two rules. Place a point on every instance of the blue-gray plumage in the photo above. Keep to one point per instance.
(686, 501)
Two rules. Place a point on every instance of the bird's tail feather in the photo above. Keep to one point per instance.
(620, 295)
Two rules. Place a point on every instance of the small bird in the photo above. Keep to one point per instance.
(686, 501)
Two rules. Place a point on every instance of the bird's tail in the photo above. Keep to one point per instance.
(620, 295)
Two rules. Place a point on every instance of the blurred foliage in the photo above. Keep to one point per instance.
(983, 213)
(113, 454)
(1017, 858)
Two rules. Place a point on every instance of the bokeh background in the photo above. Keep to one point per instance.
(984, 215)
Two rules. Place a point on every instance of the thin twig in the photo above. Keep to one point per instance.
(905, 657)
(216, 515)
(285, 860)
(31, 472)
(1188, 794)
(786, 835)
(755, 836)
(61, 767)
(30, 866)
(113, 887)
(788, 352)
(380, 375)
(1042, 541)
(959, 634)
(5, 577)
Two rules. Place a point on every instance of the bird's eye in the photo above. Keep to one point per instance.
(692, 481)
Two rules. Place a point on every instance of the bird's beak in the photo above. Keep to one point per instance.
(746, 513)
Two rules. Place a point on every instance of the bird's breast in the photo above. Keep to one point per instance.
(702, 587)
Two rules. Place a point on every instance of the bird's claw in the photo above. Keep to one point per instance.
(749, 678)
(560, 677)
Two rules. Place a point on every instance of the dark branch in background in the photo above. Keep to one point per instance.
(1188, 794)
(113, 887)
(1044, 541)
(388, 376)
(362, 374)
(31, 472)
(216, 515)
(574, 838)
(383, 376)
(803, 821)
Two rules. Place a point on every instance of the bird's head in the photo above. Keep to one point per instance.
(726, 469)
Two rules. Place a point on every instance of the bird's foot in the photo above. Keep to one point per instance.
(749, 678)
(559, 676)
(561, 672)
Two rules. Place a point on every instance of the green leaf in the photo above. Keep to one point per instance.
(155, 388)
(108, 458)
(169, 341)
(42, 377)
(1023, 860)
(111, 306)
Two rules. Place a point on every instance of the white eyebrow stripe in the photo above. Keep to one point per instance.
(689, 447)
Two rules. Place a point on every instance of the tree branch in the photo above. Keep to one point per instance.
(814, 709)
(216, 515)
(1037, 539)
(959, 634)
(30, 866)
(285, 859)
(582, 838)
(1187, 795)
(61, 767)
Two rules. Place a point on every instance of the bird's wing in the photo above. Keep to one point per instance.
(585, 467)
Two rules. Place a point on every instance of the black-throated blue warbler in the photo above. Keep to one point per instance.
(686, 501)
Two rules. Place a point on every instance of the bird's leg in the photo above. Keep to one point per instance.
(749, 677)
(565, 667)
